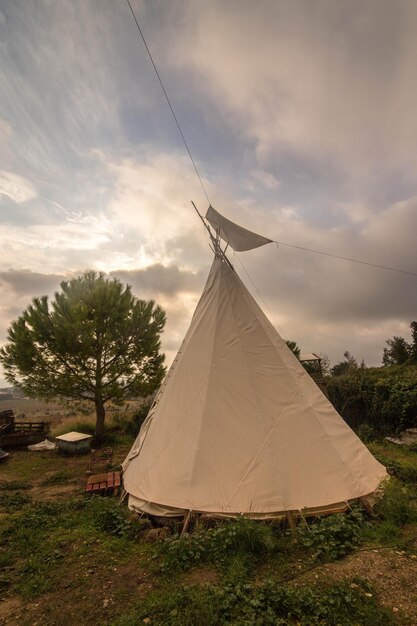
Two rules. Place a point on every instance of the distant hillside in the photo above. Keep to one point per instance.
(10, 393)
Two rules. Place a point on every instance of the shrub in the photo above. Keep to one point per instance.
(139, 417)
(366, 433)
(228, 538)
(395, 506)
(110, 518)
(333, 537)
(385, 398)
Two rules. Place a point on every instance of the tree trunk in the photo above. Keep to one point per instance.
(100, 415)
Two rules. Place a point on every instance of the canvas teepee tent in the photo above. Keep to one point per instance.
(238, 426)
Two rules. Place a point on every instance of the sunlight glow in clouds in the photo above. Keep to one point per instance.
(16, 187)
(301, 118)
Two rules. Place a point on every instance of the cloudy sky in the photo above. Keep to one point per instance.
(301, 117)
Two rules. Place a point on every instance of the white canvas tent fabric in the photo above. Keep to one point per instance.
(239, 238)
(239, 427)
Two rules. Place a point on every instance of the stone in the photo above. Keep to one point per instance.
(157, 534)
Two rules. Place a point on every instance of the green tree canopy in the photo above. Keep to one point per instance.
(293, 347)
(347, 366)
(95, 341)
(397, 352)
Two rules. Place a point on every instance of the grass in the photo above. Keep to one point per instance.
(14, 485)
(266, 603)
(117, 429)
(87, 556)
(47, 539)
(10, 502)
(57, 478)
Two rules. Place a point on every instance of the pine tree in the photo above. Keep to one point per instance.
(95, 341)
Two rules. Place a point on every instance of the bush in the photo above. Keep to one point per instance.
(216, 545)
(333, 537)
(139, 417)
(366, 433)
(130, 423)
(110, 518)
(395, 506)
(384, 398)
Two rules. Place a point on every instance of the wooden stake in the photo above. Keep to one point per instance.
(292, 524)
(122, 496)
(367, 505)
(187, 518)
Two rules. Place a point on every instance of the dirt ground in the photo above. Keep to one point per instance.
(91, 602)
(95, 592)
(392, 573)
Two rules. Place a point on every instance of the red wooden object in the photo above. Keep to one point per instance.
(105, 483)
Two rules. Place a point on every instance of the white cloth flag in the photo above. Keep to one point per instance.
(238, 238)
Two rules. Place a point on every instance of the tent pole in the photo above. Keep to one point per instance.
(214, 240)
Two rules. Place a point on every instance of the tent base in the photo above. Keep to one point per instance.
(158, 510)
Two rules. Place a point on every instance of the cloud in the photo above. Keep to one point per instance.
(15, 187)
(159, 279)
(300, 117)
(175, 289)
(28, 283)
(266, 179)
(324, 79)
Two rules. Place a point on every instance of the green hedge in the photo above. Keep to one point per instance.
(384, 398)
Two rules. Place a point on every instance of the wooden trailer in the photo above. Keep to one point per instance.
(18, 433)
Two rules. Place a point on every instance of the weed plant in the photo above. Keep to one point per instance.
(396, 505)
(217, 545)
(15, 501)
(109, 518)
(332, 537)
(264, 604)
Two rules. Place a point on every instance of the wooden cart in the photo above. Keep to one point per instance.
(17, 433)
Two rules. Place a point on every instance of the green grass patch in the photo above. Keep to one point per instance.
(11, 502)
(265, 604)
(46, 540)
(15, 485)
(57, 478)
(397, 504)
